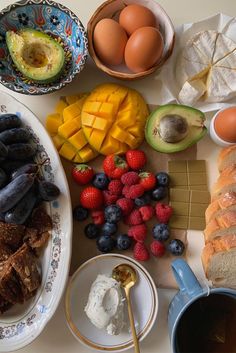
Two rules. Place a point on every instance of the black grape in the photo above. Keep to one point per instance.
(48, 191)
(9, 121)
(3, 178)
(11, 194)
(15, 135)
(29, 168)
(3, 151)
(21, 151)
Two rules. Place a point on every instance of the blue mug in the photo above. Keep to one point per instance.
(190, 290)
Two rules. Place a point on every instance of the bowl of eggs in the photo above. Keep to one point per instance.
(130, 40)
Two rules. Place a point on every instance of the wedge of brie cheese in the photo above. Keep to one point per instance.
(206, 68)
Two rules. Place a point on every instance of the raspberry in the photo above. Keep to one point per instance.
(115, 187)
(109, 198)
(98, 217)
(125, 191)
(136, 191)
(134, 218)
(126, 205)
(163, 212)
(130, 178)
(157, 248)
(141, 252)
(147, 212)
(138, 232)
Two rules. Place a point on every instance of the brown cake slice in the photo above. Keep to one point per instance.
(34, 239)
(25, 264)
(40, 220)
(11, 234)
(10, 288)
(4, 305)
(5, 253)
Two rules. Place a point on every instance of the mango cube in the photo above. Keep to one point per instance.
(71, 112)
(67, 151)
(69, 128)
(53, 121)
(100, 124)
(78, 140)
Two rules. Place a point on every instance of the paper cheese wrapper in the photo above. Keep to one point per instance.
(84, 248)
(166, 79)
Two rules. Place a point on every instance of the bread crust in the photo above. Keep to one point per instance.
(225, 153)
(225, 201)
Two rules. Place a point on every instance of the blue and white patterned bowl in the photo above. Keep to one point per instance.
(53, 19)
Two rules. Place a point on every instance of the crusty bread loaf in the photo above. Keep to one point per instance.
(227, 157)
(222, 186)
(219, 261)
(226, 200)
(222, 219)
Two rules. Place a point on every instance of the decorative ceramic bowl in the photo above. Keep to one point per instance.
(111, 9)
(57, 21)
(144, 301)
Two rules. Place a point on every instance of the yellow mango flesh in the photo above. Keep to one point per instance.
(113, 118)
(64, 126)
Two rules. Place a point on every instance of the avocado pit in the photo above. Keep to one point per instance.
(173, 128)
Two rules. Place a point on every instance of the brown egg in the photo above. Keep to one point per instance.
(109, 40)
(135, 16)
(143, 49)
(225, 124)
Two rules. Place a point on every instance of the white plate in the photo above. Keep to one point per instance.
(143, 297)
(23, 323)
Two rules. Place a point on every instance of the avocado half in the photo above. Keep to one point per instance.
(36, 55)
(195, 127)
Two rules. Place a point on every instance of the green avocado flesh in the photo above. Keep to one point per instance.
(193, 128)
(36, 55)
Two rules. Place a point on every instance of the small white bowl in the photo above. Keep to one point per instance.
(144, 301)
(214, 135)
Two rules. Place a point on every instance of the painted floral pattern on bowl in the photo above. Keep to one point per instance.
(55, 20)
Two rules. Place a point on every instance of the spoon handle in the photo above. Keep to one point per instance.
(131, 320)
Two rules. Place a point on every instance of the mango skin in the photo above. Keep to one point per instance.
(113, 118)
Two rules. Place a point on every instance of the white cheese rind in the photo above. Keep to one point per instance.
(191, 92)
(188, 70)
(206, 42)
(224, 46)
(228, 61)
(105, 308)
(221, 84)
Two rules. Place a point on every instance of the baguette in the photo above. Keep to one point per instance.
(219, 261)
(222, 219)
(227, 157)
(222, 186)
(225, 201)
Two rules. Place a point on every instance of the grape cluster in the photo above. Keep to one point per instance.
(21, 186)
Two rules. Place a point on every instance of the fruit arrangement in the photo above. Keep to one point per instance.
(136, 39)
(22, 188)
(125, 192)
(111, 119)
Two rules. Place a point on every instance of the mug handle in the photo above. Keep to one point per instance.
(185, 278)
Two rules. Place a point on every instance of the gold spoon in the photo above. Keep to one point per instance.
(127, 276)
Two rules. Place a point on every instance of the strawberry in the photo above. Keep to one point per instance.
(163, 212)
(138, 232)
(98, 217)
(134, 218)
(157, 248)
(126, 205)
(115, 187)
(91, 198)
(136, 159)
(82, 173)
(141, 252)
(130, 178)
(147, 180)
(147, 212)
(109, 198)
(114, 166)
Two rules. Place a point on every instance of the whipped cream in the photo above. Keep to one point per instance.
(105, 308)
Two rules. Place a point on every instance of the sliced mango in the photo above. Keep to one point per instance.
(113, 118)
(61, 105)
(53, 122)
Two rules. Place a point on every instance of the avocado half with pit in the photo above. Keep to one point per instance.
(36, 55)
(174, 127)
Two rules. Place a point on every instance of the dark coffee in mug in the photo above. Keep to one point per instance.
(208, 326)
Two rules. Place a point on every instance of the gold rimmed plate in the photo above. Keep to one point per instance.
(144, 302)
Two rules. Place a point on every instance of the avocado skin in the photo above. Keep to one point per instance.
(186, 112)
(41, 37)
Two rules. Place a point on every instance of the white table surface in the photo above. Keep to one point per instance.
(56, 337)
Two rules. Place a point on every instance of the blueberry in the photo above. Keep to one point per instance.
(109, 228)
(113, 214)
(176, 247)
(105, 243)
(123, 242)
(163, 179)
(143, 200)
(91, 231)
(80, 213)
(159, 193)
(100, 181)
(161, 232)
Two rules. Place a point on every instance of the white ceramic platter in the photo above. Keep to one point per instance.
(23, 323)
(143, 297)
